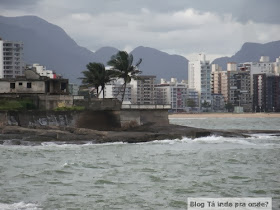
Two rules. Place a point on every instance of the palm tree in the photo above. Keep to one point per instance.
(122, 64)
(97, 76)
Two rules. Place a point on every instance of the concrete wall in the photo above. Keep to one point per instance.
(97, 104)
(98, 120)
(158, 117)
(49, 102)
(21, 87)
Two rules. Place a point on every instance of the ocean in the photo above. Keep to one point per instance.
(153, 175)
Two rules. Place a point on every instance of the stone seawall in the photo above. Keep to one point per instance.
(98, 120)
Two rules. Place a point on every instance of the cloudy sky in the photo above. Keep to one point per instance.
(184, 27)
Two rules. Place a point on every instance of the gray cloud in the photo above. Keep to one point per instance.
(217, 27)
(17, 4)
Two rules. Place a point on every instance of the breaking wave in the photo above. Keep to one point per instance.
(19, 206)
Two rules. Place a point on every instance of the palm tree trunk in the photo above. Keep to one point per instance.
(124, 88)
(103, 91)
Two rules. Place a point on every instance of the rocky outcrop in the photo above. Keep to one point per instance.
(36, 135)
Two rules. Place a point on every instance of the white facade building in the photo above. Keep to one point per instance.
(200, 78)
(115, 90)
(264, 66)
(11, 59)
(175, 93)
(42, 71)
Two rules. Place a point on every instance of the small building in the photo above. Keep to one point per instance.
(50, 93)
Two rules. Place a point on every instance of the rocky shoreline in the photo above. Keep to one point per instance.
(16, 135)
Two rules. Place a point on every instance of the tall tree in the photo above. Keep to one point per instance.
(97, 76)
(122, 64)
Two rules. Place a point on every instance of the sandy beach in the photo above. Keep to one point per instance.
(223, 115)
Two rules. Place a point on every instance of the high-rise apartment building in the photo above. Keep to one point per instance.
(199, 78)
(175, 93)
(264, 66)
(143, 90)
(266, 95)
(11, 59)
(239, 92)
(219, 81)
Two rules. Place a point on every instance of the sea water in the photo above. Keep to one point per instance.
(153, 175)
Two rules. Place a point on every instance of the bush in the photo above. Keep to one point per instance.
(16, 104)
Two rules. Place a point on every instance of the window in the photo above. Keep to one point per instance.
(63, 86)
(28, 85)
(20, 83)
(12, 85)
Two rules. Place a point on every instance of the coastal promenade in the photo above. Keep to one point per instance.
(225, 115)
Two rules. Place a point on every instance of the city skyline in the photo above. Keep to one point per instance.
(185, 28)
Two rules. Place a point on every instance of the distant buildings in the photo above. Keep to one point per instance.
(11, 59)
(200, 78)
(266, 97)
(115, 90)
(143, 90)
(173, 93)
(239, 89)
(42, 71)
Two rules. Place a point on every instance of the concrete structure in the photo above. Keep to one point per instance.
(231, 66)
(42, 71)
(100, 114)
(266, 95)
(199, 78)
(218, 102)
(239, 89)
(264, 66)
(115, 90)
(33, 83)
(11, 59)
(73, 89)
(192, 98)
(277, 66)
(172, 92)
(45, 93)
(219, 80)
(143, 90)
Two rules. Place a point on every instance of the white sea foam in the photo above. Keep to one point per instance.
(221, 139)
(19, 206)
(264, 136)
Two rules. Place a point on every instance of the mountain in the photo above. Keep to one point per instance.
(251, 52)
(161, 64)
(49, 45)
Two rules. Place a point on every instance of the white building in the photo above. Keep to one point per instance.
(200, 78)
(172, 92)
(264, 66)
(11, 59)
(115, 90)
(42, 71)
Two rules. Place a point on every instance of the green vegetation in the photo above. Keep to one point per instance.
(16, 104)
(206, 105)
(121, 67)
(72, 108)
(229, 107)
(97, 76)
(191, 103)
